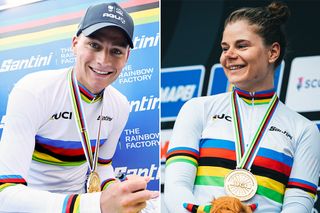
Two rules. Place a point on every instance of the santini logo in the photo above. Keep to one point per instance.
(308, 83)
(273, 128)
(104, 118)
(26, 63)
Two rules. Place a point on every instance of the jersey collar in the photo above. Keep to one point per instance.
(255, 98)
(89, 97)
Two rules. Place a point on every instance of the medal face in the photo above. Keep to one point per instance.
(93, 183)
(240, 183)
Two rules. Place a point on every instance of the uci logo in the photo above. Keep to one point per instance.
(63, 115)
(223, 116)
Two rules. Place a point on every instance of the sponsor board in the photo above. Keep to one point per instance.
(304, 84)
(136, 139)
(145, 103)
(146, 41)
(151, 170)
(178, 85)
(33, 61)
(218, 81)
(138, 149)
(131, 75)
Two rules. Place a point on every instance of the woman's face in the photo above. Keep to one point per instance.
(247, 61)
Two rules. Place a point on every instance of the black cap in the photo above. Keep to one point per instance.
(105, 15)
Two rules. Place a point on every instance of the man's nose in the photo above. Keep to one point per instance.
(104, 58)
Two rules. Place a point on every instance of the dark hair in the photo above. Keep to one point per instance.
(269, 21)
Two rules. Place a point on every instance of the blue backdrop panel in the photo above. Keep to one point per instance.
(179, 85)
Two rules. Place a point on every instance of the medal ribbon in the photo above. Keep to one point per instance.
(81, 122)
(245, 159)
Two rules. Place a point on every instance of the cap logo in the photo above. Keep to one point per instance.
(113, 16)
(110, 8)
(119, 11)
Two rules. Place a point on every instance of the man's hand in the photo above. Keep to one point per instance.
(129, 196)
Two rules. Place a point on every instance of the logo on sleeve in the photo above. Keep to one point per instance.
(104, 118)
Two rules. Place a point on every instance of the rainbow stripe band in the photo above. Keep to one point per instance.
(196, 208)
(11, 180)
(306, 186)
(217, 158)
(6, 185)
(71, 204)
(87, 96)
(257, 98)
(106, 183)
(60, 152)
(182, 154)
(104, 162)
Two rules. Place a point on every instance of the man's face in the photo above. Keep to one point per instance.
(100, 57)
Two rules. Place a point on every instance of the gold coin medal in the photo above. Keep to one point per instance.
(240, 182)
(93, 181)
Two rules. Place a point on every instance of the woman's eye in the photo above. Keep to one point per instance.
(241, 46)
(224, 49)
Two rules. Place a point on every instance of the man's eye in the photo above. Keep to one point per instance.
(116, 51)
(94, 45)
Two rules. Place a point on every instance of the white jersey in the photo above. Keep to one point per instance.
(42, 163)
(202, 152)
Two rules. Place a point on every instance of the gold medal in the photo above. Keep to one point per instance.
(240, 183)
(93, 183)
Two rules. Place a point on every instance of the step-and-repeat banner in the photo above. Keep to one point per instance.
(33, 38)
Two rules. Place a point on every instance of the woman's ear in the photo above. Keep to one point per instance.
(274, 52)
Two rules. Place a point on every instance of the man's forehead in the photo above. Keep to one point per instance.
(113, 34)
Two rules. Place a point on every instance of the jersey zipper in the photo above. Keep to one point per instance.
(250, 120)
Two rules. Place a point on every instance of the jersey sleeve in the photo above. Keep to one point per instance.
(105, 168)
(182, 156)
(23, 118)
(303, 181)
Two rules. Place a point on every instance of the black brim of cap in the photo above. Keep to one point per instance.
(89, 30)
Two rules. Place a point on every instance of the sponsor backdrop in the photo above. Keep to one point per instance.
(191, 36)
(33, 38)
